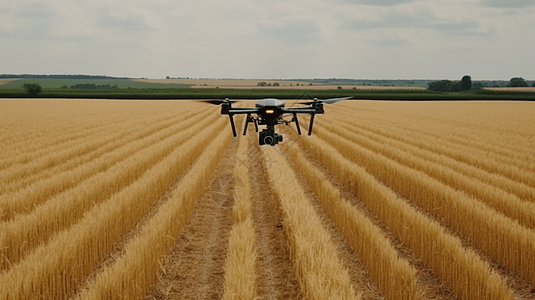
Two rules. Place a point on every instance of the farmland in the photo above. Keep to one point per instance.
(270, 84)
(174, 89)
(59, 83)
(104, 199)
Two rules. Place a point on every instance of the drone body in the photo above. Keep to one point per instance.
(270, 112)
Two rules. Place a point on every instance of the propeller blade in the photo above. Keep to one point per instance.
(334, 100)
(219, 102)
(214, 102)
(328, 101)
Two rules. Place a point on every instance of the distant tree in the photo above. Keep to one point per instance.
(262, 83)
(442, 86)
(276, 84)
(32, 88)
(533, 85)
(466, 83)
(517, 82)
(167, 77)
(478, 86)
(455, 86)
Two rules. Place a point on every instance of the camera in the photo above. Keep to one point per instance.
(269, 137)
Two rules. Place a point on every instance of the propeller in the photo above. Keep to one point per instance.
(219, 102)
(328, 101)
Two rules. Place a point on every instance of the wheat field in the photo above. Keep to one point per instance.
(148, 200)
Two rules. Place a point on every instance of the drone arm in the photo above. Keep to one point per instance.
(242, 110)
(297, 123)
(247, 120)
(311, 123)
(231, 116)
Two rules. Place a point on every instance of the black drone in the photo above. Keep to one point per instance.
(271, 112)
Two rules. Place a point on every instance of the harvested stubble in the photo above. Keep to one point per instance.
(19, 236)
(135, 271)
(504, 239)
(55, 269)
(394, 274)
(457, 267)
(318, 267)
(240, 266)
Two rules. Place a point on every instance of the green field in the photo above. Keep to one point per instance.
(189, 93)
(121, 83)
(130, 89)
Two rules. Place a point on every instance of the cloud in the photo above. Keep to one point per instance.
(378, 2)
(34, 20)
(133, 19)
(509, 3)
(269, 39)
(292, 32)
(449, 19)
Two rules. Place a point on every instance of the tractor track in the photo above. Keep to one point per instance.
(276, 273)
(195, 267)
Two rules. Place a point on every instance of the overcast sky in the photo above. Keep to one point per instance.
(381, 39)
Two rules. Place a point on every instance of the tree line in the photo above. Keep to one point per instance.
(92, 86)
(60, 76)
(447, 86)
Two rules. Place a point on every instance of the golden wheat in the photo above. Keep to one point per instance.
(318, 267)
(133, 273)
(240, 265)
(459, 268)
(366, 239)
(76, 251)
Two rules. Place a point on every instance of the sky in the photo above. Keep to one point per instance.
(359, 39)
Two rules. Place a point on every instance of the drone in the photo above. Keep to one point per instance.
(271, 112)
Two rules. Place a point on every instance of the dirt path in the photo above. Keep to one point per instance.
(195, 267)
(276, 273)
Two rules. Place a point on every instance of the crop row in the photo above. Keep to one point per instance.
(459, 268)
(318, 267)
(77, 249)
(134, 272)
(433, 154)
(502, 238)
(240, 265)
